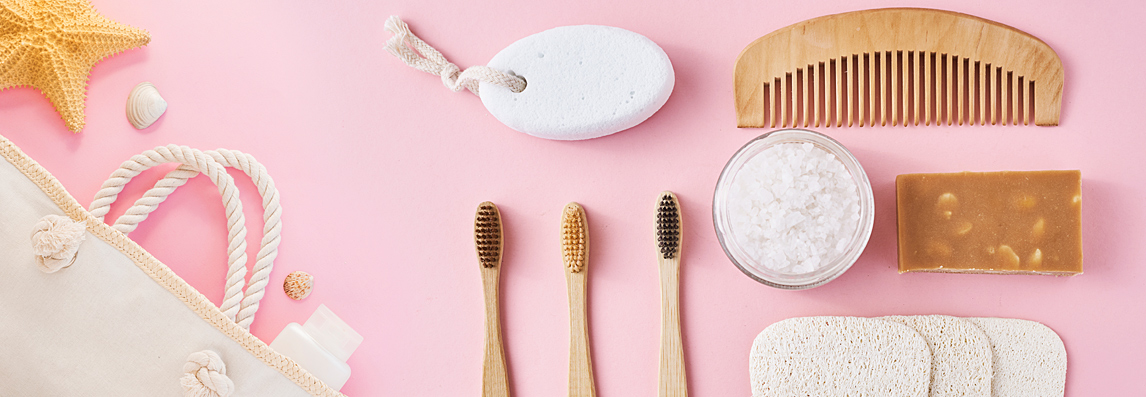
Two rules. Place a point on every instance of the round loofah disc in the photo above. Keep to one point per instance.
(582, 82)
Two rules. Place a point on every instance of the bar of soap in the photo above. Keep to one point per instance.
(1009, 222)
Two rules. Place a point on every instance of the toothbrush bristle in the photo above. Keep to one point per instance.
(487, 234)
(668, 226)
(574, 238)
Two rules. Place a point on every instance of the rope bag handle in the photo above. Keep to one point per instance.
(239, 306)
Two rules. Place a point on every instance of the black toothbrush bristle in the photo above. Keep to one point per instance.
(668, 226)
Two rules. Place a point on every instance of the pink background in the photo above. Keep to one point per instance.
(381, 169)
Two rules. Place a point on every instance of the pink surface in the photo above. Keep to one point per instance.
(381, 169)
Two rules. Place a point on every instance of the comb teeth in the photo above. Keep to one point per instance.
(899, 87)
(574, 238)
(668, 225)
(487, 234)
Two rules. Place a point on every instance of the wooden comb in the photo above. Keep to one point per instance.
(897, 66)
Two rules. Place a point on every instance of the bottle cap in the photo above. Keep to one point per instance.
(332, 333)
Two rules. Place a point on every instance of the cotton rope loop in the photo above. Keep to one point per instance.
(236, 226)
(55, 241)
(419, 55)
(205, 375)
(272, 225)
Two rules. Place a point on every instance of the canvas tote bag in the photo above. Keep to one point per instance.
(85, 311)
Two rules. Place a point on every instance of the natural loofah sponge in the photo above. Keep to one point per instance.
(51, 45)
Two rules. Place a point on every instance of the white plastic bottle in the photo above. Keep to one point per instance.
(321, 346)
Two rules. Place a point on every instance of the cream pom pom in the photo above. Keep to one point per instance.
(205, 375)
(55, 241)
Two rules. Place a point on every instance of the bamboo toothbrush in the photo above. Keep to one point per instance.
(489, 243)
(673, 382)
(575, 257)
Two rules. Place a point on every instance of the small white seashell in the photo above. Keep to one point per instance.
(144, 105)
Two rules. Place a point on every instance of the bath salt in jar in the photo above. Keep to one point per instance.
(793, 209)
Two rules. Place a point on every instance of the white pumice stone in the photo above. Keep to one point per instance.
(582, 82)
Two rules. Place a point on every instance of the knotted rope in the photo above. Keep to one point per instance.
(55, 241)
(419, 55)
(205, 375)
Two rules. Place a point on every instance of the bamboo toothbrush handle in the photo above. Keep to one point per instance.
(580, 364)
(495, 382)
(673, 382)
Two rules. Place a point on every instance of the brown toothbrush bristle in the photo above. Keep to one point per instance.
(574, 238)
(487, 234)
(668, 225)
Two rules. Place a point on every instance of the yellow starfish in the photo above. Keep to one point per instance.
(52, 45)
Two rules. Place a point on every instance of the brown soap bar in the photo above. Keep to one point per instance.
(1008, 222)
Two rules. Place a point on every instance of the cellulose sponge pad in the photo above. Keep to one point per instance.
(907, 356)
(1029, 358)
(960, 354)
(582, 82)
(839, 356)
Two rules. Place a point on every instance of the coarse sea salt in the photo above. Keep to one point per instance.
(793, 208)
